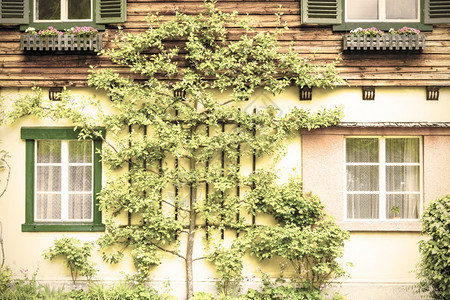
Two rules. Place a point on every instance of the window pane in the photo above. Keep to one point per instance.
(402, 178)
(80, 206)
(48, 206)
(362, 10)
(48, 178)
(401, 9)
(79, 9)
(48, 151)
(407, 205)
(80, 178)
(48, 9)
(80, 151)
(362, 178)
(402, 150)
(362, 150)
(362, 206)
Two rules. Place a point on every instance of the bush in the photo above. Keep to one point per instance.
(278, 289)
(5, 279)
(75, 255)
(118, 292)
(18, 289)
(434, 269)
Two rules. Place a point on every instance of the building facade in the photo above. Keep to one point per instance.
(375, 172)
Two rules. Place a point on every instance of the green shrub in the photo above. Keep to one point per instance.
(434, 268)
(5, 279)
(309, 240)
(228, 263)
(75, 255)
(117, 292)
(202, 296)
(279, 289)
(20, 289)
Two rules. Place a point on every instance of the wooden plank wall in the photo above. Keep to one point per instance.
(370, 68)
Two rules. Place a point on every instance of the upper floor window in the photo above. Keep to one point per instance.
(62, 14)
(63, 10)
(346, 15)
(382, 10)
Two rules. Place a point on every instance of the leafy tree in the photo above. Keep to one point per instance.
(179, 152)
(434, 269)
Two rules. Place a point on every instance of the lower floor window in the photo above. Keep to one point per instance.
(62, 181)
(383, 177)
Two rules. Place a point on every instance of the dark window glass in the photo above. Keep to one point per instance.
(48, 9)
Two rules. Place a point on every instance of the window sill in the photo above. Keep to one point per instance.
(391, 226)
(65, 42)
(63, 227)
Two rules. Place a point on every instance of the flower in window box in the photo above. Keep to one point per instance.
(50, 32)
(371, 31)
(85, 30)
(405, 31)
(31, 30)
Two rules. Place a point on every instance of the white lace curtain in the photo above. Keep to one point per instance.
(382, 172)
(64, 180)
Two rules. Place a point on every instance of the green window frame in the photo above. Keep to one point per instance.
(332, 12)
(30, 135)
(22, 12)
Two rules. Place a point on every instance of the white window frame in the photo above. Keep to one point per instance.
(64, 164)
(64, 14)
(382, 14)
(382, 178)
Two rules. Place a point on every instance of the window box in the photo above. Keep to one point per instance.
(384, 42)
(65, 42)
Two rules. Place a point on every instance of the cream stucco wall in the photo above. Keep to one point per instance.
(380, 257)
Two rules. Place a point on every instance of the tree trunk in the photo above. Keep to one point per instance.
(190, 247)
(191, 232)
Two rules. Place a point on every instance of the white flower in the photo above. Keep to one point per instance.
(29, 29)
(356, 30)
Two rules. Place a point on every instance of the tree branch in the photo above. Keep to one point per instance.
(7, 177)
(199, 258)
(169, 251)
(173, 205)
(1, 245)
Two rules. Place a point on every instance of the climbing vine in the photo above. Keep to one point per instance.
(175, 153)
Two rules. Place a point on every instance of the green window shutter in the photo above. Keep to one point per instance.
(14, 11)
(111, 11)
(321, 11)
(437, 11)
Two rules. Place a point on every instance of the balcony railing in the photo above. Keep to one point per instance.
(384, 42)
(65, 42)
